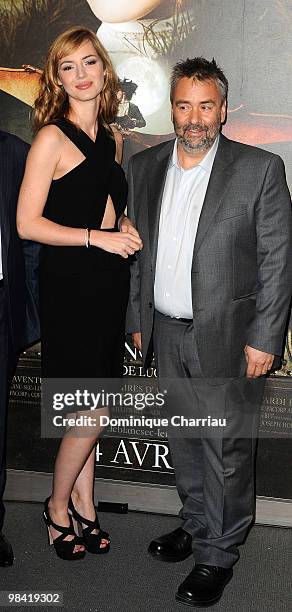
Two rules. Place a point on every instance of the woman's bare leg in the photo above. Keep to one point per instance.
(71, 466)
(82, 493)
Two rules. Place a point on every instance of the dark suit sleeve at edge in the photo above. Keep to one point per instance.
(274, 260)
(31, 251)
(133, 310)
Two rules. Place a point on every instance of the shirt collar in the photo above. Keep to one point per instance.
(206, 163)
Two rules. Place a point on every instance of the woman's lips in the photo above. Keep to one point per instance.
(84, 85)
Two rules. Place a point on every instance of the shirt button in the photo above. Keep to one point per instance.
(167, 294)
(174, 238)
(169, 267)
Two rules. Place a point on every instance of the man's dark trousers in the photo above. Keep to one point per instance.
(214, 471)
(8, 362)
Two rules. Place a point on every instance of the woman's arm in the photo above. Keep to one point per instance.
(42, 161)
(119, 143)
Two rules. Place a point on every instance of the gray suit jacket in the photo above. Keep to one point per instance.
(242, 258)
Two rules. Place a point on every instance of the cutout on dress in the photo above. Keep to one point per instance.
(109, 212)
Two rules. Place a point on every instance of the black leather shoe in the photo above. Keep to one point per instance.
(204, 586)
(173, 546)
(6, 552)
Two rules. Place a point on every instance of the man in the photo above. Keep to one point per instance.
(211, 290)
(18, 294)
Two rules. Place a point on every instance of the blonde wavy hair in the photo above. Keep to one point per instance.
(52, 102)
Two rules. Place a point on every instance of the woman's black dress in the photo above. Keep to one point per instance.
(84, 292)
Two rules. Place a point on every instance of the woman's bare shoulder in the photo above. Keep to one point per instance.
(50, 134)
(47, 143)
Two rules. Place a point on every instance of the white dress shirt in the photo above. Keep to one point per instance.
(182, 202)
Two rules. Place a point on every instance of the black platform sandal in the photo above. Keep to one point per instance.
(64, 548)
(91, 541)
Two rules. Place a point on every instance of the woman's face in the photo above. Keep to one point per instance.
(82, 73)
(117, 11)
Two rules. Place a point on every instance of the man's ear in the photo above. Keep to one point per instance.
(223, 111)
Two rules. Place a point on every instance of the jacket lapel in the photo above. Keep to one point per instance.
(220, 175)
(156, 182)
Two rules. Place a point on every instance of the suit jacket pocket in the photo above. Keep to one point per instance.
(230, 214)
(246, 296)
(232, 207)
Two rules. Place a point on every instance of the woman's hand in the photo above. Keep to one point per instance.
(120, 243)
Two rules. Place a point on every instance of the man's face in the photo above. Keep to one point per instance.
(197, 113)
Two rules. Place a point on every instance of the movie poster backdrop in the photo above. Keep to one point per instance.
(252, 42)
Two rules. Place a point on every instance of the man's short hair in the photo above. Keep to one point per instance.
(201, 69)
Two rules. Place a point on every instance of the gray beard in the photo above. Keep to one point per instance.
(205, 144)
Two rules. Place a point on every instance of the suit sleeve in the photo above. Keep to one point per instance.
(133, 311)
(31, 253)
(274, 261)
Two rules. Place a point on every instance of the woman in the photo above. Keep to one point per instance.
(72, 197)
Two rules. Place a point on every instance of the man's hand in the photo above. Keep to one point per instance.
(137, 340)
(126, 225)
(258, 362)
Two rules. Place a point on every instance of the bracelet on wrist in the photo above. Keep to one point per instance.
(87, 238)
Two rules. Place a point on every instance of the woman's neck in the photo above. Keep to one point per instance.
(85, 116)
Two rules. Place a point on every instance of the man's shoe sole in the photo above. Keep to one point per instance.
(160, 557)
(194, 604)
(198, 604)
